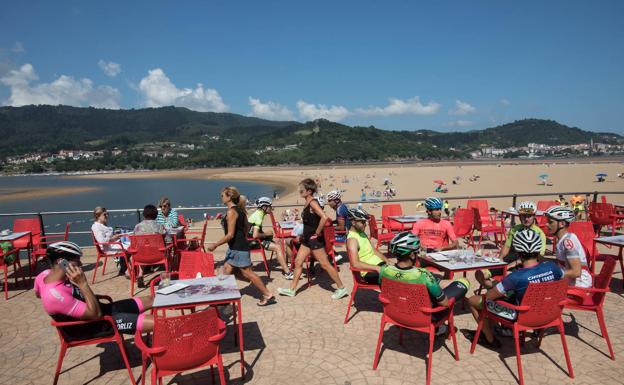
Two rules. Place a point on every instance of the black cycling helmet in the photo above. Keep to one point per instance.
(358, 215)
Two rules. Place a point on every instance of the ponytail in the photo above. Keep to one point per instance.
(239, 200)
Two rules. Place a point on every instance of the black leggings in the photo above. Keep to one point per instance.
(455, 289)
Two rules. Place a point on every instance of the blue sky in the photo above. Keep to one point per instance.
(445, 65)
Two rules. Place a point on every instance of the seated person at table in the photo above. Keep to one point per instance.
(404, 246)
(66, 296)
(167, 216)
(527, 244)
(526, 211)
(256, 231)
(105, 234)
(342, 222)
(569, 250)
(435, 233)
(361, 252)
(149, 226)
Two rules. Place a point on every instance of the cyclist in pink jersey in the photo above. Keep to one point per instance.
(66, 296)
(435, 233)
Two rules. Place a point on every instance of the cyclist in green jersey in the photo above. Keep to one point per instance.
(362, 254)
(404, 246)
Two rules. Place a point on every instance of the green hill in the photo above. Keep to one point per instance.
(224, 139)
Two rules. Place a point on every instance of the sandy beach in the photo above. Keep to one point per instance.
(15, 194)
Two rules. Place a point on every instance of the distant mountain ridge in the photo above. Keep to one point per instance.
(231, 139)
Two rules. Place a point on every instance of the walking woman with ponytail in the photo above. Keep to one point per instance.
(235, 227)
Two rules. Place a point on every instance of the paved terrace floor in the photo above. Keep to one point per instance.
(303, 340)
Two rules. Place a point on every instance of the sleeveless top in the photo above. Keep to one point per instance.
(239, 241)
(311, 221)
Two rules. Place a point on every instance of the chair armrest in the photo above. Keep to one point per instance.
(2, 254)
(383, 300)
(101, 296)
(218, 337)
(84, 322)
(437, 309)
(512, 306)
(166, 248)
(577, 291)
(138, 341)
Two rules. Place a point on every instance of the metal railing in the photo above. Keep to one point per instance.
(138, 211)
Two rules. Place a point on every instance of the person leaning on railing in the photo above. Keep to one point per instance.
(66, 296)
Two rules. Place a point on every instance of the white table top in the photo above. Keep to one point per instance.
(217, 291)
(14, 236)
(288, 224)
(617, 240)
(407, 218)
(460, 265)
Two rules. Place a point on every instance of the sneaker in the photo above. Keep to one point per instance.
(286, 292)
(338, 258)
(339, 293)
(289, 276)
(495, 344)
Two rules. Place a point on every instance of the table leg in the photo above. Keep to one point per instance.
(240, 337)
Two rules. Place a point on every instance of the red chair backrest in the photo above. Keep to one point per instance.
(148, 248)
(479, 204)
(584, 231)
(603, 279)
(186, 340)
(476, 219)
(98, 248)
(463, 222)
(193, 262)
(545, 205)
(28, 224)
(388, 210)
(406, 300)
(372, 227)
(545, 301)
(599, 213)
(329, 234)
(182, 221)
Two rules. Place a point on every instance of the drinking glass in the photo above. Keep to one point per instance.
(165, 279)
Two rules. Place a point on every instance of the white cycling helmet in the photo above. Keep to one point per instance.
(560, 213)
(321, 202)
(334, 195)
(358, 215)
(63, 249)
(263, 202)
(527, 207)
(527, 241)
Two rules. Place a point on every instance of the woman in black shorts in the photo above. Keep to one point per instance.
(312, 242)
(235, 227)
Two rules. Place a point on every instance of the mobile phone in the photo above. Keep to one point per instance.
(64, 264)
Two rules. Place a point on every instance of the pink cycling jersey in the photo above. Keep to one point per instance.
(57, 297)
(434, 235)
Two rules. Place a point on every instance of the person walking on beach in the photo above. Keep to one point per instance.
(312, 243)
(235, 227)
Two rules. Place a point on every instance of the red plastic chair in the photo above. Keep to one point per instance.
(260, 250)
(17, 269)
(484, 210)
(39, 250)
(483, 228)
(408, 306)
(119, 252)
(541, 308)
(282, 234)
(62, 329)
(183, 343)
(603, 214)
(147, 250)
(192, 237)
(376, 234)
(358, 283)
(27, 243)
(592, 299)
(584, 231)
(463, 225)
(388, 225)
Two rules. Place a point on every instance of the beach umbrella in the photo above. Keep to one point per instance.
(601, 175)
(543, 176)
(438, 181)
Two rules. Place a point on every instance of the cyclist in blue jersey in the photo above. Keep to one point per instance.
(342, 222)
(527, 244)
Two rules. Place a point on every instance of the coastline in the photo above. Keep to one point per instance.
(12, 194)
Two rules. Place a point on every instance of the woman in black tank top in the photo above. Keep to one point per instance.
(235, 227)
(312, 243)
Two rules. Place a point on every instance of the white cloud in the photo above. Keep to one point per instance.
(269, 110)
(18, 47)
(505, 102)
(309, 111)
(462, 108)
(411, 106)
(158, 90)
(460, 123)
(110, 68)
(64, 90)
